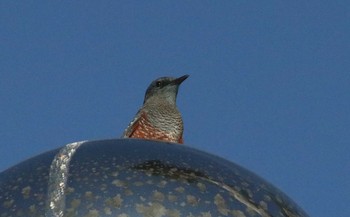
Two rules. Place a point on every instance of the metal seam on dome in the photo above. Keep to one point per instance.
(59, 170)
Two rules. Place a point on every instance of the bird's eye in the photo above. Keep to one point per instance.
(158, 83)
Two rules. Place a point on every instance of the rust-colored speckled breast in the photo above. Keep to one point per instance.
(143, 129)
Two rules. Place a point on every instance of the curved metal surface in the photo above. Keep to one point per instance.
(132, 178)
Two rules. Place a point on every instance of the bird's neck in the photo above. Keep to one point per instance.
(161, 100)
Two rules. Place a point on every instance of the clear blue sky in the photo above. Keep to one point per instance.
(269, 84)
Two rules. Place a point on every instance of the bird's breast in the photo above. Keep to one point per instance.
(168, 120)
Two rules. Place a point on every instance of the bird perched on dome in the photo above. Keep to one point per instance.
(159, 117)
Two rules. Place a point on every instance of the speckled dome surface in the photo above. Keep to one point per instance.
(140, 178)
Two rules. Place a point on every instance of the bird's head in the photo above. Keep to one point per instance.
(164, 88)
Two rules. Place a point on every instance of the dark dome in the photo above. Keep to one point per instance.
(131, 178)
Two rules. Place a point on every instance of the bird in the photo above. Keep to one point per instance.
(159, 117)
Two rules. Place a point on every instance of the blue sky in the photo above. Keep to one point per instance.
(268, 88)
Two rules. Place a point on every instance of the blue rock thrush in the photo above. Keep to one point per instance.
(159, 118)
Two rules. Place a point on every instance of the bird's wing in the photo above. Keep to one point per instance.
(134, 124)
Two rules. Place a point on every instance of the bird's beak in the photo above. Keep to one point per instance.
(179, 80)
